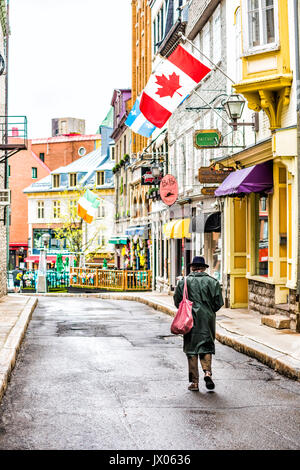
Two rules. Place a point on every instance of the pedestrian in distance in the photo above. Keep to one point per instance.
(17, 278)
(205, 293)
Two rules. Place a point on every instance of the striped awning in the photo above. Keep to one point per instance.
(118, 240)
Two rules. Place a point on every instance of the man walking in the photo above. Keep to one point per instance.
(205, 293)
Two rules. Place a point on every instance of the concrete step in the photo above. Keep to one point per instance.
(283, 308)
(280, 322)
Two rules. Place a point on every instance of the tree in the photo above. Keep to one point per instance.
(74, 231)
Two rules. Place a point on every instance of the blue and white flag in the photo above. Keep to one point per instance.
(138, 123)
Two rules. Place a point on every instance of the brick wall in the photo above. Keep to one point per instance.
(59, 154)
(21, 165)
(199, 10)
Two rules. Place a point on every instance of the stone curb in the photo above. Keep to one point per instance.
(280, 362)
(10, 349)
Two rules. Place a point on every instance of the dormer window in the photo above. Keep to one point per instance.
(100, 178)
(56, 181)
(73, 179)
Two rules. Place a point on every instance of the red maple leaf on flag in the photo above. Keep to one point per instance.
(169, 86)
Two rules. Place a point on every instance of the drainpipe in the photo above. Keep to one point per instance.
(297, 73)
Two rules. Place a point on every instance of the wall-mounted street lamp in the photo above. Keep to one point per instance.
(156, 169)
(234, 107)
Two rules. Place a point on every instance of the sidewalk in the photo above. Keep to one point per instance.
(15, 314)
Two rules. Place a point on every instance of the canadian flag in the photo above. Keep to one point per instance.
(170, 84)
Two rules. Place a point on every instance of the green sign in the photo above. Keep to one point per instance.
(207, 138)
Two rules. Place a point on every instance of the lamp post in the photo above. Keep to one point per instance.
(42, 271)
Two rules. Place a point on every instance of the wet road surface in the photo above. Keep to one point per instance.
(100, 374)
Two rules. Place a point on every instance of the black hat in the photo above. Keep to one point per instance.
(199, 261)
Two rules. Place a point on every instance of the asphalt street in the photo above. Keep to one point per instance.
(103, 374)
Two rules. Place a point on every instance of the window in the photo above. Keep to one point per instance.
(56, 209)
(154, 36)
(262, 235)
(262, 23)
(238, 46)
(56, 181)
(42, 157)
(112, 153)
(63, 127)
(34, 172)
(100, 178)
(101, 239)
(40, 209)
(217, 40)
(8, 170)
(73, 179)
(206, 44)
(124, 143)
(101, 211)
(206, 153)
(81, 151)
(73, 208)
(189, 158)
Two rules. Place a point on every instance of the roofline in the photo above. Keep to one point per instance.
(41, 162)
(63, 138)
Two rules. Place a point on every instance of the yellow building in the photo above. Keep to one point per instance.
(261, 227)
(141, 71)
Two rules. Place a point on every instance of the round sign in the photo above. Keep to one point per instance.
(168, 190)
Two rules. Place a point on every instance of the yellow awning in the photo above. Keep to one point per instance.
(179, 228)
(168, 229)
(182, 229)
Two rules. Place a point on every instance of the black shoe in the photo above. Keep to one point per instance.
(208, 382)
(194, 387)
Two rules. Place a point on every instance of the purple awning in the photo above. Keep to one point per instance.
(255, 179)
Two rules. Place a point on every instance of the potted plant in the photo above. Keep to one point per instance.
(126, 157)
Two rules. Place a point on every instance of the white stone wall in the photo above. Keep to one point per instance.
(184, 158)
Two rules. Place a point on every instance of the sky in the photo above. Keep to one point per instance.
(65, 59)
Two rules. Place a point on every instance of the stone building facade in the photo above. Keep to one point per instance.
(205, 27)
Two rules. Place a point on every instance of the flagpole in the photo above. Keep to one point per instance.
(208, 104)
(184, 38)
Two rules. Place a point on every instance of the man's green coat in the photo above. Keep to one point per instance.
(205, 293)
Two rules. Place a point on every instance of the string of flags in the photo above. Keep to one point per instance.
(168, 86)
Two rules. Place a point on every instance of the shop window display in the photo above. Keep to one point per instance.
(262, 238)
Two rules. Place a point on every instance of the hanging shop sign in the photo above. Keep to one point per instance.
(147, 177)
(207, 138)
(215, 173)
(168, 190)
(209, 190)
